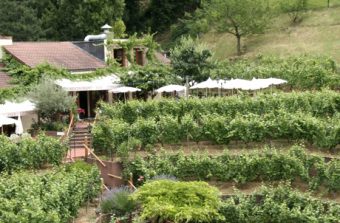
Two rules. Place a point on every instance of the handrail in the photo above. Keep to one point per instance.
(90, 151)
(70, 126)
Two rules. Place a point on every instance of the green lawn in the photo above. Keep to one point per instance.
(318, 33)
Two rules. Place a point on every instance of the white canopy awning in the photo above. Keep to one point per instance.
(10, 109)
(171, 88)
(124, 89)
(99, 84)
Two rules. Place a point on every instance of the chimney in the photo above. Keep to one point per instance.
(4, 41)
(106, 28)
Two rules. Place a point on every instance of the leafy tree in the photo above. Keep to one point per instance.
(51, 100)
(119, 29)
(294, 8)
(155, 15)
(148, 78)
(74, 19)
(239, 18)
(192, 59)
(19, 20)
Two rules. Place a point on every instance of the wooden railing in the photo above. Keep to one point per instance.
(69, 129)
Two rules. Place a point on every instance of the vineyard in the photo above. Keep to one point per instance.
(144, 133)
(312, 117)
(268, 165)
(35, 185)
(53, 197)
(30, 153)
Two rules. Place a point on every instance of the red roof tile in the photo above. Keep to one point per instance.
(60, 54)
(4, 80)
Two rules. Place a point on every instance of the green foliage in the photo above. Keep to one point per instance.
(267, 165)
(191, 59)
(51, 100)
(52, 197)
(143, 16)
(301, 72)
(146, 40)
(149, 77)
(294, 8)
(22, 23)
(30, 153)
(239, 18)
(332, 172)
(281, 204)
(309, 116)
(119, 29)
(166, 200)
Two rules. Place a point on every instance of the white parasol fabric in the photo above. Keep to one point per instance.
(124, 89)
(171, 88)
(208, 84)
(16, 109)
(7, 121)
(19, 129)
(99, 84)
(277, 81)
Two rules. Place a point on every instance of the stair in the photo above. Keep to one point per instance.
(80, 135)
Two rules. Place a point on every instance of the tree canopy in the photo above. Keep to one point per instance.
(239, 18)
(191, 59)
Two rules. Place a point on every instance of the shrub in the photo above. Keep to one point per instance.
(118, 202)
(281, 204)
(167, 200)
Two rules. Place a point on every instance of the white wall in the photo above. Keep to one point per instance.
(27, 121)
(4, 41)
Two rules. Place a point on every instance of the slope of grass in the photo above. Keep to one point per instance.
(318, 33)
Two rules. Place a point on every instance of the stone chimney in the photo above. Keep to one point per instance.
(4, 41)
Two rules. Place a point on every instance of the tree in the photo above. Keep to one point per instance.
(191, 59)
(148, 78)
(51, 100)
(119, 29)
(239, 18)
(74, 19)
(294, 8)
(19, 20)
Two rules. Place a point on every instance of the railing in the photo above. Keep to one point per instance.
(69, 129)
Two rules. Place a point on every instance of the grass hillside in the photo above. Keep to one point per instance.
(318, 33)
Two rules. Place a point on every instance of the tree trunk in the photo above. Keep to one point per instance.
(238, 44)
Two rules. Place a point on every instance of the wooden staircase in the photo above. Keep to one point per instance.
(80, 135)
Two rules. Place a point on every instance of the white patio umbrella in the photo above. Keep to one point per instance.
(19, 129)
(208, 84)
(124, 90)
(277, 81)
(171, 88)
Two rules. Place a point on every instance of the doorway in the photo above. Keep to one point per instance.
(83, 103)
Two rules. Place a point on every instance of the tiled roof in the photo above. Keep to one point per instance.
(60, 54)
(4, 80)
